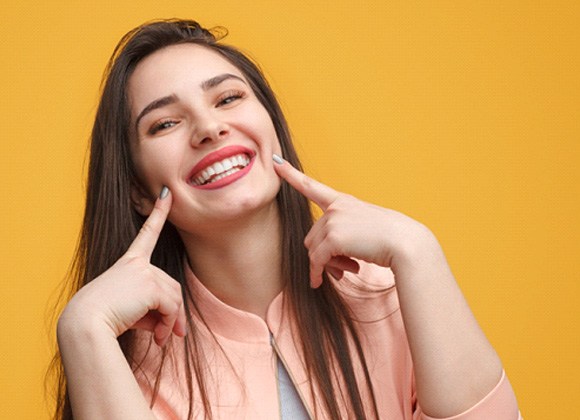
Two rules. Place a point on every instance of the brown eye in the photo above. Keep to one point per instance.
(162, 125)
(230, 97)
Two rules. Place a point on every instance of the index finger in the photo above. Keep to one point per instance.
(316, 191)
(146, 239)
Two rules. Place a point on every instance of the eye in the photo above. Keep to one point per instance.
(229, 97)
(162, 125)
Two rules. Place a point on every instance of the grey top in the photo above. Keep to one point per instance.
(291, 406)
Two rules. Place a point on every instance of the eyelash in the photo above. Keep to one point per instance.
(161, 125)
(230, 97)
(226, 99)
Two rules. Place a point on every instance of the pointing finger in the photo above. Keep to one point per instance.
(321, 194)
(145, 241)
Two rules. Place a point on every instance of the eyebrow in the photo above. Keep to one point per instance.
(214, 81)
(171, 99)
(158, 103)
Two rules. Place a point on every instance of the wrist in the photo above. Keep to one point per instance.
(74, 329)
(419, 249)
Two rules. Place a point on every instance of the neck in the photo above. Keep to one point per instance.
(240, 263)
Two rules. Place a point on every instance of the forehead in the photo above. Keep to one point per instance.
(174, 69)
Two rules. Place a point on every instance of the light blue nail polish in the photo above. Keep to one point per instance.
(164, 192)
(277, 159)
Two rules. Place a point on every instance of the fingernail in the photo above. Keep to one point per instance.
(277, 159)
(164, 192)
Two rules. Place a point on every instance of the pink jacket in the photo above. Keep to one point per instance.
(245, 386)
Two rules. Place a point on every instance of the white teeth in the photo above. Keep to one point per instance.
(221, 169)
(227, 164)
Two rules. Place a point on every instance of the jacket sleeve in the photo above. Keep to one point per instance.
(147, 367)
(499, 404)
(370, 297)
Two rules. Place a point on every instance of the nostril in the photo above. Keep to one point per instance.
(222, 133)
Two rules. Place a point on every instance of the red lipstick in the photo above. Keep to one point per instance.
(209, 173)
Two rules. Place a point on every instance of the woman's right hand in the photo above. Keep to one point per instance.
(133, 293)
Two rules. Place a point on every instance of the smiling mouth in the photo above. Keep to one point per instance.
(221, 169)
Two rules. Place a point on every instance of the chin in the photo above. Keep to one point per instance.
(247, 206)
(239, 205)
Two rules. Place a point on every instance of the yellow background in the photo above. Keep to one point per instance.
(463, 115)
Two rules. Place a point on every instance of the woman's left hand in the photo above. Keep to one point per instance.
(351, 228)
(451, 355)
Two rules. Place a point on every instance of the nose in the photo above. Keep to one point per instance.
(209, 129)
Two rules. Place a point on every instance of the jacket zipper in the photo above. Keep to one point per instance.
(291, 375)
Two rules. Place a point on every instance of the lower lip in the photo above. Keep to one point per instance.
(226, 180)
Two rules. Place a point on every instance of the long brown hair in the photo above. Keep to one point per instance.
(110, 224)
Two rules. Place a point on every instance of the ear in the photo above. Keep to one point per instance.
(141, 200)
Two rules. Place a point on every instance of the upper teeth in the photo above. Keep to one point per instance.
(221, 169)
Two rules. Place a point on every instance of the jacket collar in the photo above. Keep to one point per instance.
(231, 323)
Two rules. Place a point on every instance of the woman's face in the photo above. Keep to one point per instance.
(199, 129)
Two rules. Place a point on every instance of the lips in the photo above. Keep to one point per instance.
(221, 167)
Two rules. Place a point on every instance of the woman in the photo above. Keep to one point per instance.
(198, 237)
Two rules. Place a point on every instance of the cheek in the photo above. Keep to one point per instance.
(271, 134)
(273, 142)
(257, 120)
(153, 169)
(277, 148)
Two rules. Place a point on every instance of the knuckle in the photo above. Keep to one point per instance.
(317, 259)
(177, 300)
(343, 201)
(337, 205)
(176, 286)
(149, 285)
(173, 310)
(333, 237)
